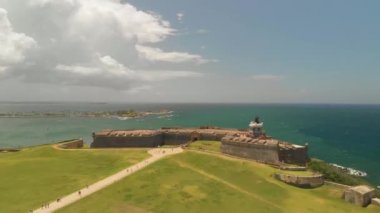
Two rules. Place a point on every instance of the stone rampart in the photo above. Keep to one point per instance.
(154, 138)
(176, 138)
(259, 152)
(132, 139)
(301, 181)
(293, 154)
(73, 144)
(264, 149)
(234, 142)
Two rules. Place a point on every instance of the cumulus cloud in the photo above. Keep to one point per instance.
(267, 77)
(88, 43)
(13, 45)
(115, 17)
(108, 71)
(156, 54)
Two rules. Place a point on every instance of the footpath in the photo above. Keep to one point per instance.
(157, 154)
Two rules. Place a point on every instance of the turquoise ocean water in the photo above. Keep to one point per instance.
(345, 134)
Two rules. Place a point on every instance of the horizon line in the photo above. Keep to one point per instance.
(171, 102)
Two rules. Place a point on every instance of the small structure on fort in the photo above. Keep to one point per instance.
(359, 195)
(252, 144)
(256, 128)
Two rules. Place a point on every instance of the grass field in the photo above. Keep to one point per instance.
(40, 174)
(195, 182)
(211, 146)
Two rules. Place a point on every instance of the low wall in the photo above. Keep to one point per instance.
(74, 144)
(9, 150)
(375, 201)
(153, 140)
(301, 181)
(262, 153)
(339, 185)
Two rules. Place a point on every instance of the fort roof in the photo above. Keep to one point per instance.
(211, 131)
(124, 133)
(200, 130)
(243, 138)
(362, 189)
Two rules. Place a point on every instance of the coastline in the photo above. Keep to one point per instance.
(329, 130)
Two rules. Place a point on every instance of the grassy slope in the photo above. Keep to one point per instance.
(194, 182)
(37, 175)
(211, 146)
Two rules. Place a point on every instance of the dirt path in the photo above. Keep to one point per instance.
(157, 154)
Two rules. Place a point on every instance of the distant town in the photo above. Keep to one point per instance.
(120, 114)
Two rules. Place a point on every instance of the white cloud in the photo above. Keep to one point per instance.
(97, 18)
(112, 74)
(2, 69)
(13, 45)
(77, 69)
(180, 17)
(45, 2)
(267, 77)
(156, 54)
(162, 75)
(76, 39)
(112, 17)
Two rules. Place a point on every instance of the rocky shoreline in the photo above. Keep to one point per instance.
(349, 170)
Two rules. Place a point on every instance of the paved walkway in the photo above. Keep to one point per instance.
(75, 196)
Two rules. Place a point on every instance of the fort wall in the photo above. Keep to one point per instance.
(130, 139)
(175, 138)
(301, 181)
(234, 142)
(293, 154)
(259, 152)
(264, 149)
(154, 138)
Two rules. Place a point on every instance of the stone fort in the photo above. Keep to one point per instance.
(252, 144)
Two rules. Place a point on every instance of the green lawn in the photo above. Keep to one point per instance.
(195, 182)
(211, 146)
(40, 174)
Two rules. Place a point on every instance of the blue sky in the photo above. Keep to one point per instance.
(329, 48)
(248, 51)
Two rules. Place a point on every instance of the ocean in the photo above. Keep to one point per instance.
(348, 135)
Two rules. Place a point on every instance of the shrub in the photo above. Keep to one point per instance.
(334, 174)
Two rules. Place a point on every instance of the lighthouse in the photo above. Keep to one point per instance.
(256, 128)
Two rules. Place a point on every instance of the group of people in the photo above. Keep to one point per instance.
(58, 200)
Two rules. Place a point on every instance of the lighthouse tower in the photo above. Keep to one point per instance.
(256, 128)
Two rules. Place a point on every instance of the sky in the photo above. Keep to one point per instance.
(259, 51)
